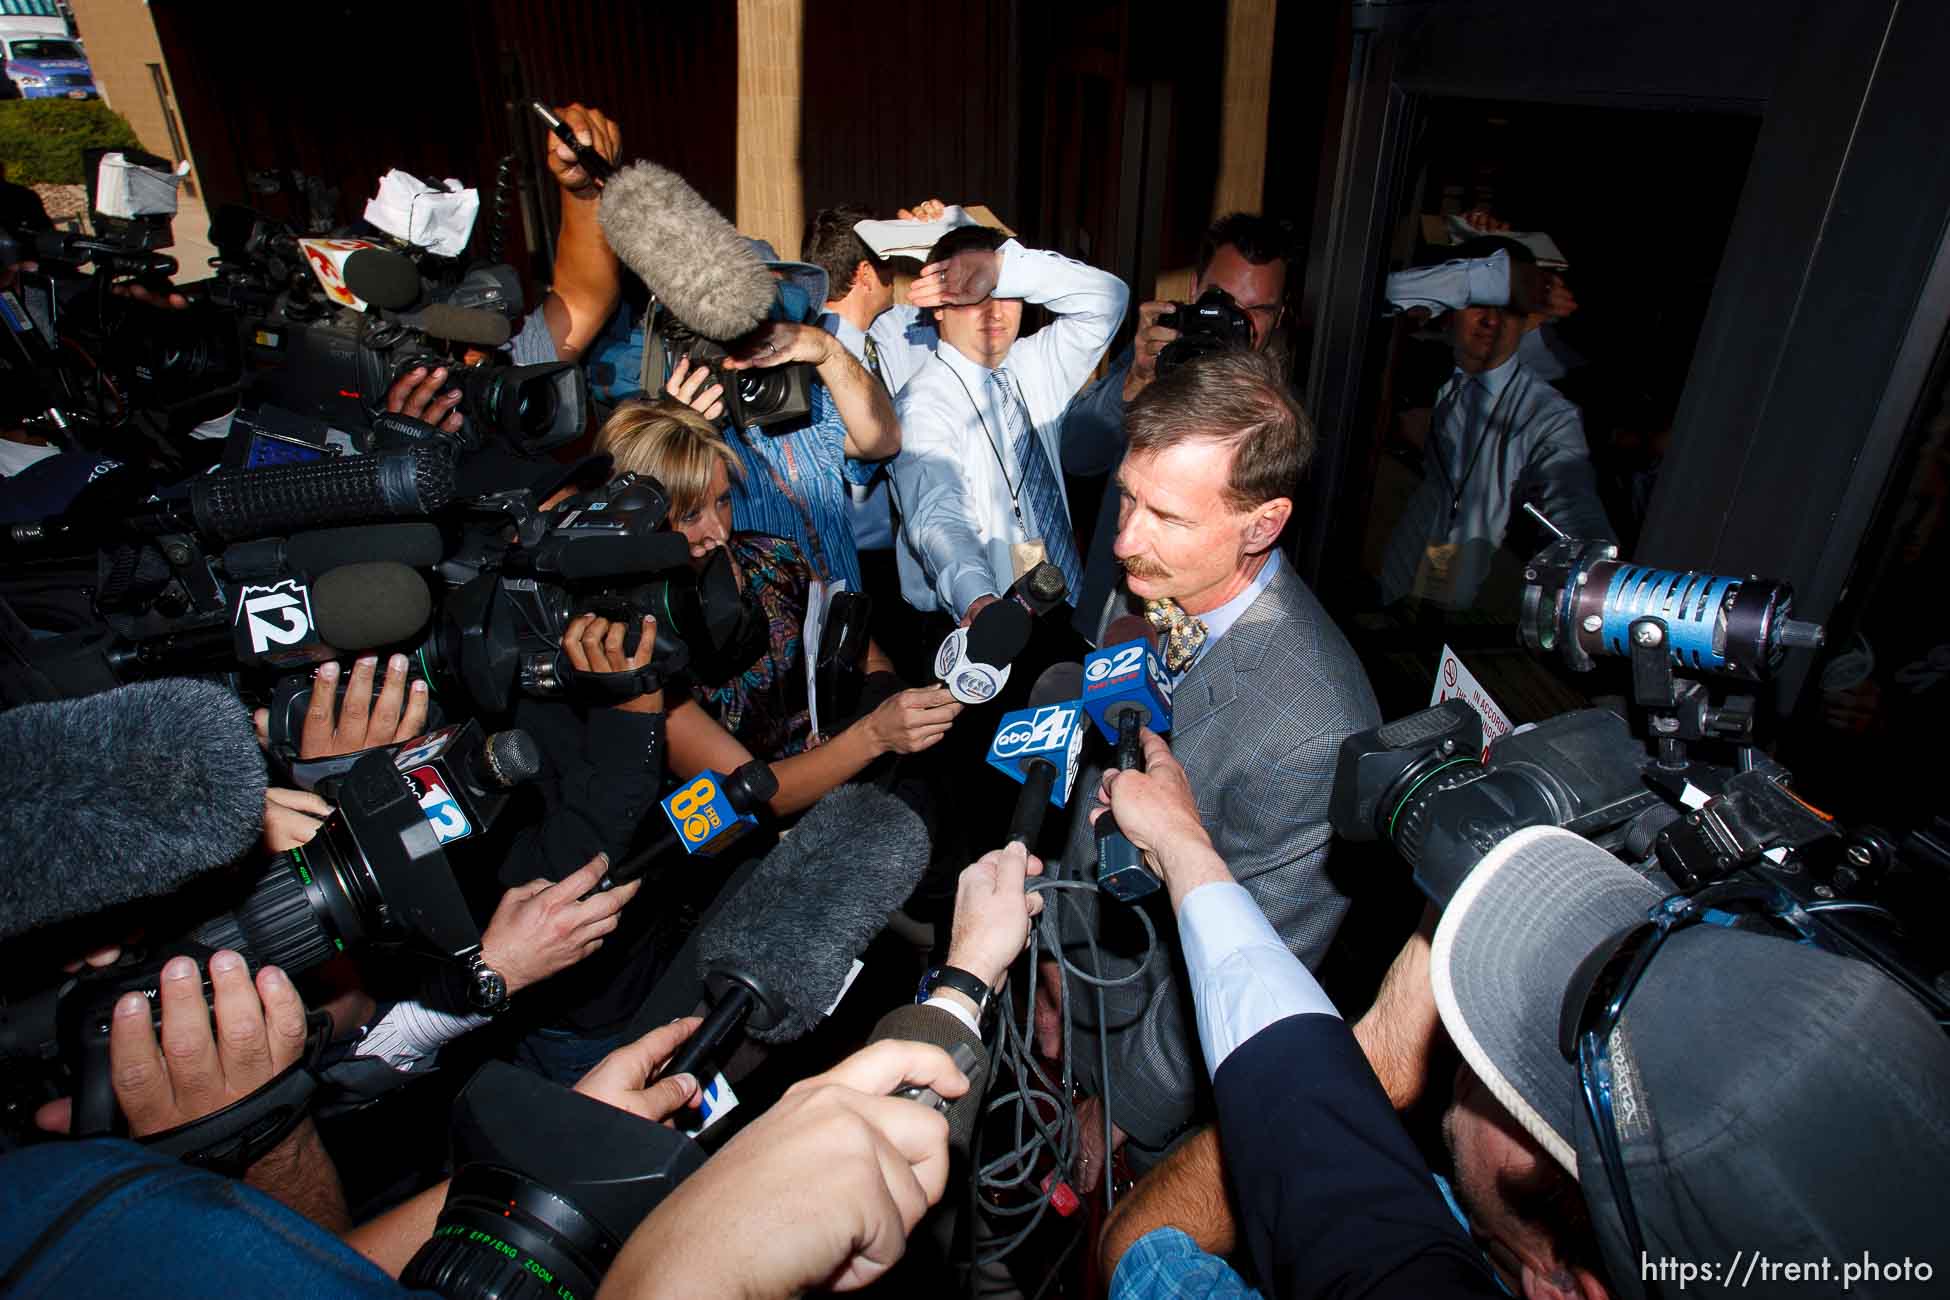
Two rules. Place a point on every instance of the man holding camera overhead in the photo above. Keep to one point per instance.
(1246, 256)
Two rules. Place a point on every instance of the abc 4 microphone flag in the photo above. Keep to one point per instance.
(1053, 733)
(703, 817)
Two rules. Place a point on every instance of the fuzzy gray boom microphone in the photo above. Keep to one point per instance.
(120, 796)
(777, 953)
(696, 263)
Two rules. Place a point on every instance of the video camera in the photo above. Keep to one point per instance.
(1427, 786)
(90, 361)
(376, 873)
(1215, 323)
(753, 399)
(521, 574)
(316, 354)
(548, 1184)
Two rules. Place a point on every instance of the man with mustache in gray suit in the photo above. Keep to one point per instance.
(1265, 687)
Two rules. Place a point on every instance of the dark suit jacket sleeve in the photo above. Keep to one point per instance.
(1093, 426)
(925, 1024)
(1333, 1198)
(1273, 833)
(601, 781)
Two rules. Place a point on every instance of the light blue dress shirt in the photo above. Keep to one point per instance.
(955, 476)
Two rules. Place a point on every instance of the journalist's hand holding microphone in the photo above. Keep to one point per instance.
(546, 926)
(1155, 807)
(992, 913)
(912, 720)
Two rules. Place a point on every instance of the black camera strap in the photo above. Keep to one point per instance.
(231, 1140)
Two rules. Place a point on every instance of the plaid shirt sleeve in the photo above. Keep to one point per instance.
(1165, 1264)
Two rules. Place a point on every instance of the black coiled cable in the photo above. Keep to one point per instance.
(1031, 1094)
(504, 207)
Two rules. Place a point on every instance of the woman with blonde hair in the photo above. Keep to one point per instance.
(763, 705)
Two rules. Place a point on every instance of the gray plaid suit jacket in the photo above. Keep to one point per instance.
(1257, 723)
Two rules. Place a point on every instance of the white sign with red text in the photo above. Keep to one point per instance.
(1455, 682)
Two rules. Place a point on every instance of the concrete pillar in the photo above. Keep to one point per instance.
(771, 197)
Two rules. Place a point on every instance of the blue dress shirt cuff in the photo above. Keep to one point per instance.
(1465, 282)
(966, 585)
(1243, 977)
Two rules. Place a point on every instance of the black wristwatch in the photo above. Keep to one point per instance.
(487, 988)
(969, 985)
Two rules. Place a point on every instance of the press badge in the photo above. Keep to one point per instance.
(1024, 556)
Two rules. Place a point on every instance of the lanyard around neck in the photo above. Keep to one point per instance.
(1488, 435)
(1015, 488)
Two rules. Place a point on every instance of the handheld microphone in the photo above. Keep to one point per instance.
(1040, 590)
(1038, 746)
(125, 795)
(778, 952)
(286, 622)
(973, 662)
(713, 811)
(418, 546)
(385, 279)
(1125, 688)
(475, 325)
(237, 504)
(691, 258)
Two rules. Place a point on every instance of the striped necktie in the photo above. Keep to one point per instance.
(873, 363)
(1039, 488)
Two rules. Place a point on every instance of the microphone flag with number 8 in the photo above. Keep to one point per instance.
(704, 817)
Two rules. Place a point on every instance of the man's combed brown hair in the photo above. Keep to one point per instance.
(832, 246)
(1236, 397)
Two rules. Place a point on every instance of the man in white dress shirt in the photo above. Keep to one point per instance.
(978, 479)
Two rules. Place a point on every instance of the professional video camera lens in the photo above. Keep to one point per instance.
(505, 1235)
(316, 901)
(534, 408)
(1423, 784)
(548, 1185)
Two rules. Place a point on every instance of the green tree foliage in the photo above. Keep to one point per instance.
(41, 139)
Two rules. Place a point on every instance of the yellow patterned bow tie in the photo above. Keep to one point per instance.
(1183, 633)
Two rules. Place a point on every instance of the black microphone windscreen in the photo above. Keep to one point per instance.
(696, 263)
(1131, 627)
(816, 901)
(234, 504)
(314, 552)
(383, 278)
(999, 633)
(483, 329)
(1058, 684)
(121, 796)
(358, 606)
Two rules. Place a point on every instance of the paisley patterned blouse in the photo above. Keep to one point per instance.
(765, 706)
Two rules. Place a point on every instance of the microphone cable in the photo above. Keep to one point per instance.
(1042, 1115)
